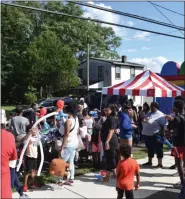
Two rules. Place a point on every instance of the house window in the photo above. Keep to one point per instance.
(80, 73)
(118, 72)
(132, 72)
(100, 73)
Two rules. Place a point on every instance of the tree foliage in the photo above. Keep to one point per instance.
(40, 49)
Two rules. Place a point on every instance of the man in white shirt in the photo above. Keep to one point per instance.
(154, 122)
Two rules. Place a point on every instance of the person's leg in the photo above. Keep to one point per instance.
(71, 162)
(94, 156)
(159, 152)
(17, 185)
(65, 157)
(129, 194)
(110, 156)
(180, 170)
(149, 142)
(76, 159)
(27, 173)
(33, 173)
(12, 174)
(120, 193)
(26, 182)
(69, 156)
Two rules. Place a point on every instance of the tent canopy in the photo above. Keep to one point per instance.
(146, 84)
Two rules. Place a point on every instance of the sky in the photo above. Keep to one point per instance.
(141, 47)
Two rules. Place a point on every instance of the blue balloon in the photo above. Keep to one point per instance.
(164, 141)
(60, 115)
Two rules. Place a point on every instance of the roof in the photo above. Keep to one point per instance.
(97, 85)
(117, 62)
(146, 84)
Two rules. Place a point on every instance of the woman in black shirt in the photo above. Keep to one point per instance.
(110, 139)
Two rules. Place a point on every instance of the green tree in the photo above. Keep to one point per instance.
(53, 63)
(42, 49)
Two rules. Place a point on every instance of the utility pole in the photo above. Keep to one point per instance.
(87, 63)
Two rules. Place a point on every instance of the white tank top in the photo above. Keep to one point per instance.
(72, 140)
(89, 123)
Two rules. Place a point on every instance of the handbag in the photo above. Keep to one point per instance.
(59, 141)
(80, 144)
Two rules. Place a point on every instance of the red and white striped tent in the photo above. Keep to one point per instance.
(146, 84)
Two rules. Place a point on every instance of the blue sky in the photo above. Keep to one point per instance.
(143, 47)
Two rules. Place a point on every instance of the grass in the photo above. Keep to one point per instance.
(139, 153)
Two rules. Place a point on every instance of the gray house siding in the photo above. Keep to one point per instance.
(93, 71)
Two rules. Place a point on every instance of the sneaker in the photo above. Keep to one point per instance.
(159, 166)
(25, 188)
(71, 181)
(147, 164)
(67, 183)
(24, 196)
(173, 167)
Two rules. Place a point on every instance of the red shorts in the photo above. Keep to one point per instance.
(178, 152)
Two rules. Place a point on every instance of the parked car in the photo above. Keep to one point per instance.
(41, 100)
(50, 104)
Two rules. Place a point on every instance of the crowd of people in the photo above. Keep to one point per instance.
(106, 136)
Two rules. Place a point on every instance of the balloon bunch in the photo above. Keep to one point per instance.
(42, 117)
(163, 140)
(101, 176)
(46, 126)
(60, 106)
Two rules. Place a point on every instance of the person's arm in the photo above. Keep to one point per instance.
(126, 123)
(137, 180)
(137, 173)
(11, 128)
(118, 171)
(111, 132)
(137, 177)
(66, 134)
(14, 151)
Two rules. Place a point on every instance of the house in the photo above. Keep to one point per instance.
(106, 72)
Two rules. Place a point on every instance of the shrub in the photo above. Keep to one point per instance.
(30, 97)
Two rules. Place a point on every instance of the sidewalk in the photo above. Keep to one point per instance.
(155, 184)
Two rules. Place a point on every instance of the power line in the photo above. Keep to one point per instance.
(164, 15)
(153, 35)
(89, 19)
(128, 15)
(169, 9)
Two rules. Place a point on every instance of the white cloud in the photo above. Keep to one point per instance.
(108, 17)
(131, 50)
(141, 35)
(154, 64)
(145, 48)
(130, 23)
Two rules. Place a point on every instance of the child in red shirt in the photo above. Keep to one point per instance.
(126, 169)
